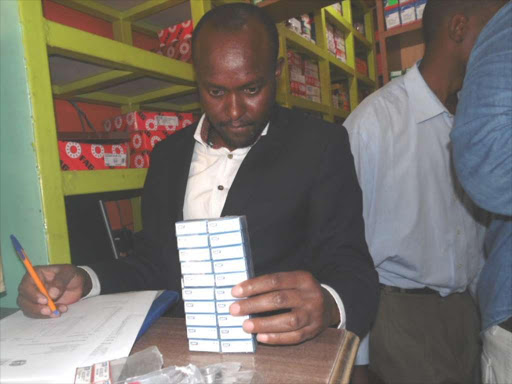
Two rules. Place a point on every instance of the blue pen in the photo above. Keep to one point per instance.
(24, 258)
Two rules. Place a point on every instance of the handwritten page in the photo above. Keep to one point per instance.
(93, 330)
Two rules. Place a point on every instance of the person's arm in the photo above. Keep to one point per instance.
(340, 260)
(66, 284)
(482, 136)
(154, 264)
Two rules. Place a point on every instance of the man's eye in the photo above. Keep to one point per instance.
(252, 90)
(216, 92)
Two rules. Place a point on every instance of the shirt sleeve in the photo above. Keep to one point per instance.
(363, 353)
(96, 286)
(482, 136)
(339, 303)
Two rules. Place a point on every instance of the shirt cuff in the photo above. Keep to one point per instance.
(96, 286)
(363, 354)
(339, 303)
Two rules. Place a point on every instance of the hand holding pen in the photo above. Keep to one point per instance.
(62, 285)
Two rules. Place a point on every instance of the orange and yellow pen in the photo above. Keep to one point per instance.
(24, 258)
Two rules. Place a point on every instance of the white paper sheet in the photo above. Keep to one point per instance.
(93, 330)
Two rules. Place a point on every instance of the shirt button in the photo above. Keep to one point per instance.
(230, 156)
(220, 188)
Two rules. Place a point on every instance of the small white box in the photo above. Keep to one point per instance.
(225, 279)
(202, 333)
(298, 77)
(204, 345)
(223, 306)
(223, 239)
(193, 241)
(198, 294)
(407, 14)
(199, 280)
(224, 294)
(232, 252)
(206, 320)
(231, 321)
(225, 225)
(195, 254)
(238, 346)
(192, 227)
(196, 267)
(234, 333)
(199, 306)
(235, 265)
(392, 18)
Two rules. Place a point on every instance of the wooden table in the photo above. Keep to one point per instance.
(328, 358)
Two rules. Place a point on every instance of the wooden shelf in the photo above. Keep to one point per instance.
(414, 26)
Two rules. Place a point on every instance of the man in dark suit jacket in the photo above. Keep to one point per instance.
(296, 184)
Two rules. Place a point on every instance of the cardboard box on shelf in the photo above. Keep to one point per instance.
(407, 13)
(149, 121)
(180, 50)
(392, 17)
(76, 156)
(139, 160)
(146, 140)
(176, 32)
(390, 3)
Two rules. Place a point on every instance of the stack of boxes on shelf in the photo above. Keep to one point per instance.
(215, 255)
(146, 129)
(176, 41)
(340, 96)
(336, 42)
(403, 12)
(304, 77)
(80, 156)
(303, 26)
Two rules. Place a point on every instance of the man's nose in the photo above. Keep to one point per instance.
(236, 106)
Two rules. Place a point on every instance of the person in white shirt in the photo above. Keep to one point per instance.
(291, 175)
(424, 234)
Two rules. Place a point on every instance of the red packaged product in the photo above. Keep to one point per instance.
(146, 140)
(176, 32)
(139, 160)
(149, 121)
(75, 156)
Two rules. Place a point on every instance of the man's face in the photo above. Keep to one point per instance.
(236, 76)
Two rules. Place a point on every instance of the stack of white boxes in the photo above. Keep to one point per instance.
(215, 256)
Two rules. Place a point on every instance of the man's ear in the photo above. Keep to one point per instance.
(458, 28)
(279, 67)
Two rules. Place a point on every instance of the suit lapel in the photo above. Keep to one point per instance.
(180, 179)
(258, 161)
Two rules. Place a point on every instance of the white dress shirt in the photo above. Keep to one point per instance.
(211, 175)
(421, 229)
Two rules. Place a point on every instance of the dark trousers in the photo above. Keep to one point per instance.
(426, 338)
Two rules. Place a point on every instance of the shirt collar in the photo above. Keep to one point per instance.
(424, 103)
(201, 134)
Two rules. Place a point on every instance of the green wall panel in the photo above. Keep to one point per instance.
(20, 195)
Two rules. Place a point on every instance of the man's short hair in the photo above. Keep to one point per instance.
(233, 17)
(437, 12)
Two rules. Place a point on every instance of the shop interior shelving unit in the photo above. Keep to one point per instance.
(68, 63)
(400, 47)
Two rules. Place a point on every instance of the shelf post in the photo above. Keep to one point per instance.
(45, 131)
